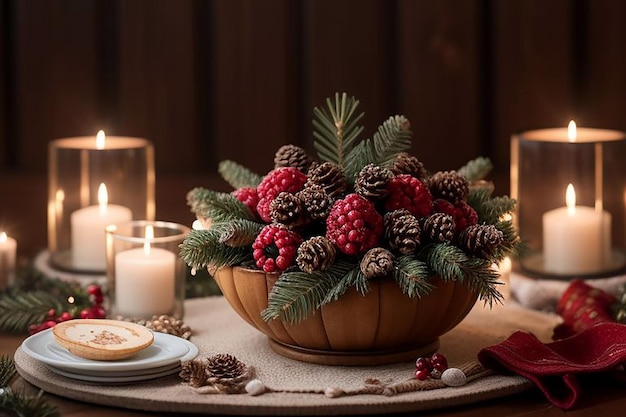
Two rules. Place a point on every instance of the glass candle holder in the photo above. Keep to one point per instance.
(570, 187)
(95, 181)
(145, 275)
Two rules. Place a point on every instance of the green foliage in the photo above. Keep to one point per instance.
(237, 175)
(217, 206)
(412, 276)
(353, 278)
(7, 370)
(202, 248)
(20, 310)
(490, 209)
(17, 403)
(238, 232)
(336, 128)
(296, 295)
(391, 138)
(476, 169)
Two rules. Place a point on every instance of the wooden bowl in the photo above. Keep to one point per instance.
(384, 326)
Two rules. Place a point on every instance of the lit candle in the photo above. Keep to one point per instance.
(8, 248)
(576, 239)
(145, 280)
(88, 237)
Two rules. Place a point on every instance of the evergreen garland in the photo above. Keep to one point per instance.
(237, 175)
(217, 206)
(353, 278)
(203, 248)
(412, 276)
(238, 232)
(18, 311)
(16, 403)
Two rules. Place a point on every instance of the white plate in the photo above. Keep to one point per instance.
(111, 374)
(120, 379)
(166, 350)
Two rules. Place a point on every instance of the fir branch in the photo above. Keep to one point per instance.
(296, 295)
(391, 138)
(202, 248)
(19, 404)
(353, 278)
(239, 232)
(490, 210)
(476, 169)
(19, 310)
(217, 206)
(412, 276)
(7, 370)
(237, 175)
(335, 129)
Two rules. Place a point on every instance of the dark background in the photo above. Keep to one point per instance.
(208, 80)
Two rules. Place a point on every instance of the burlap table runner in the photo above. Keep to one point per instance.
(219, 330)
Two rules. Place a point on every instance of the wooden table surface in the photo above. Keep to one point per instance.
(603, 398)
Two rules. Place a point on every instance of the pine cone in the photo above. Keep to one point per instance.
(316, 202)
(330, 177)
(408, 164)
(481, 240)
(402, 231)
(224, 366)
(372, 181)
(449, 185)
(377, 262)
(315, 254)
(288, 209)
(439, 227)
(292, 156)
(194, 372)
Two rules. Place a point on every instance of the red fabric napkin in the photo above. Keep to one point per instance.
(555, 367)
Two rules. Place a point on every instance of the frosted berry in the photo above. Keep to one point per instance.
(287, 179)
(274, 249)
(354, 225)
(462, 213)
(407, 192)
(248, 196)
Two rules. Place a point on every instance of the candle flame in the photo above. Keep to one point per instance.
(100, 139)
(149, 236)
(572, 134)
(103, 198)
(3, 237)
(570, 199)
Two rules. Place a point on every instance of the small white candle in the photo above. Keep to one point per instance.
(145, 280)
(8, 248)
(576, 239)
(88, 237)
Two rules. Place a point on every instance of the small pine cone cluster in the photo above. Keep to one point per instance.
(439, 227)
(288, 209)
(372, 182)
(224, 366)
(405, 163)
(287, 179)
(315, 254)
(408, 192)
(377, 262)
(402, 231)
(292, 156)
(449, 185)
(194, 373)
(274, 249)
(330, 177)
(481, 240)
(163, 323)
(316, 202)
(354, 225)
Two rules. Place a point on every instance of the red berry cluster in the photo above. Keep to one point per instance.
(95, 311)
(431, 367)
(249, 197)
(287, 179)
(407, 192)
(354, 225)
(274, 249)
(462, 213)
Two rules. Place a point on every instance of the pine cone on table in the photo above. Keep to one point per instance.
(194, 373)
(225, 367)
(402, 231)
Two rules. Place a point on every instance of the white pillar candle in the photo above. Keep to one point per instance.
(8, 249)
(145, 281)
(576, 239)
(88, 237)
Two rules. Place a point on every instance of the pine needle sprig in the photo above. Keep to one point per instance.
(202, 248)
(19, 310)
(237, 175)
(7, 370)
(412, 275)
(297, 295)
(391, 138)
(476, 169)
(238, 232)
(490, 209)
(217, 206)
(17, 403)
(353, 278)
(336, 129)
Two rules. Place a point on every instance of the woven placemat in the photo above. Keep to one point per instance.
(219, 330)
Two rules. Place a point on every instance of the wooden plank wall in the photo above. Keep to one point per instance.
(208, 80)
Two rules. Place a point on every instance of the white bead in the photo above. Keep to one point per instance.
(332, 392)
(255, 387)
(453, 377)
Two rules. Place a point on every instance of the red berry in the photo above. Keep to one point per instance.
(439, 362)
(281, 179)
(423, 364)
(94, 289)
(51, 313)
(49, 324)
(65, 316)
(274, 249)
(96, 298)
(407, 192)
(249, 197)
(354, 225)
(85, 313)
(422, 374)
(98, 312)
(462, 213)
